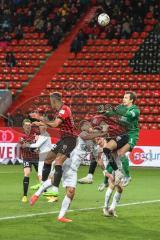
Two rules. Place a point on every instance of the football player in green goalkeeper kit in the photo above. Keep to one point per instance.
(128, 116)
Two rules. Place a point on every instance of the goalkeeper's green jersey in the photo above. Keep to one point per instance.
(130, 118)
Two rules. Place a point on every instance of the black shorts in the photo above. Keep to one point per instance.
(29, 163)
(121, 140)
(65, 146)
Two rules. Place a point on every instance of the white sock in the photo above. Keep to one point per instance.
(116, 199)
(108, 196)
(64, 207)
(90, 176)
(55, 189)
(45, 185)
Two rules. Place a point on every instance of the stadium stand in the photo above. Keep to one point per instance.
(38, 27)
(109, 63)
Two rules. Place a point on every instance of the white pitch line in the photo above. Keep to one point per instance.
(9, 172)
(76, 210)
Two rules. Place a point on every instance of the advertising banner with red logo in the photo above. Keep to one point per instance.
(146, 153)
(9, 147)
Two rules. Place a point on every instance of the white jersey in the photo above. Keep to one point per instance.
(84, 145)
(71, 165)
(43, 143)
(78, 154)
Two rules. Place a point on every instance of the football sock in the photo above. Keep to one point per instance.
(110, 170)
(57, 175)
(46, 171)
(116, 199)
(64, 207)
(90, 176)
(25, 185)
(92, 167)
(105, 180)
(43, 187)
(112, 162)
(125, 165)
(108, 196)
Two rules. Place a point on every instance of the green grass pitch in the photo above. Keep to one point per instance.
(134, 222)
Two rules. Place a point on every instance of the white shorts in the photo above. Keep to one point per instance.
(69, 178)
(42, 157)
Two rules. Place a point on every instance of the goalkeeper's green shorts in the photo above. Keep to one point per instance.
(132, 140)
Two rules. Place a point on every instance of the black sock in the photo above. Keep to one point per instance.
(46, 171)
(57, 175)
(92, 167)
(105, 180)
(112, 162)
(25, 185)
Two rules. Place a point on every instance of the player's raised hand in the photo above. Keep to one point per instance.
(101, 109)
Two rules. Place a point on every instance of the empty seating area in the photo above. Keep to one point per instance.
(101, 73)
(30, 52)
(42, 25)
(147, 59)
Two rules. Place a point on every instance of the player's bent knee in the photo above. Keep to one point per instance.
(119, 189)
(70, 192)
(122, 151)
(48, 161)
(50, 157)
(27, 172)
(60, 158)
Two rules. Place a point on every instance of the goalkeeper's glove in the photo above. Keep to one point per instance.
(101, 109)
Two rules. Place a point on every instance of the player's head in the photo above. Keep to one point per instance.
(129, 98)
(26, 124)
(100, 141)
(56, 99)
(85, 125)
(98, 121)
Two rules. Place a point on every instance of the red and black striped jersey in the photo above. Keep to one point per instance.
(67, 126)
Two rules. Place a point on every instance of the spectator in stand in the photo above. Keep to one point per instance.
(126, 30)
(7, 37)
(82, 37)
(10, 60)
(39, 24)
(9, 120)
(30, 16)
(56, 36)
(63, 24)
(18, 118)
(18, 32)
(73, 13)
(76, 46)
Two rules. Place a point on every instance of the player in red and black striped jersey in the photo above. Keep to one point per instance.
(29, 157)
(64, 121)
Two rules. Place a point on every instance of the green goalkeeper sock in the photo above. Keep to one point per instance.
(110, 170)
(125, 165)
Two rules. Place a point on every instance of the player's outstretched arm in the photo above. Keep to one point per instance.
(54, 123)
(41, 140)
(106, 110)
(43, 120)
(89, 136)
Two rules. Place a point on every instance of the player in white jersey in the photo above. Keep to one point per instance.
(109, 210)
(70, 168)
(43, 145)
